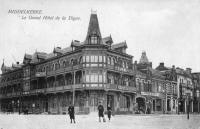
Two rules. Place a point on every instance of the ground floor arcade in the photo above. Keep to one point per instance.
(57, 103)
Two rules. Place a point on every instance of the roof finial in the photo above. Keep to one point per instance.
(93, 11)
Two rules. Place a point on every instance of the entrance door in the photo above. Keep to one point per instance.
(46, 106)
(141, 104)
(154, 105)
(110, 101)
(168, 105)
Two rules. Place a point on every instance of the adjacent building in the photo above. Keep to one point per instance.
(155, 93)
(196, 93)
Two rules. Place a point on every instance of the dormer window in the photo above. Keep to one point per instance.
(94, 40)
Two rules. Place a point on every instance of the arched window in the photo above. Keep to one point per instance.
(112, 61)
(123, 64)
(47, 68)
(80, 59)
(44, 69)
(53, 66)
(57, 66)
(109, 60)
(64, 64)
(71, 61)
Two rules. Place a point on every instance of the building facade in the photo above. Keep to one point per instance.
(155, 93)
(196, 93)
(185, 86)
(86, 73)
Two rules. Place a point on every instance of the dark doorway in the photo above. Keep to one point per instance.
(168, 105)
(46, 106)
(141, 104)
(154, 105)
(110, 101)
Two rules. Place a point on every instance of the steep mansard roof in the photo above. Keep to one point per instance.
(93, 28)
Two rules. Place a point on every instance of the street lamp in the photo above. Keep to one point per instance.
(73, 87)
(13, 105)
(18, 103)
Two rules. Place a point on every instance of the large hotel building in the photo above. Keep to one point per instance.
(86, 73)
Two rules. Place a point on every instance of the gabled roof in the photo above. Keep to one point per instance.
(50, 55)
(41, 55)
(67, 49)
(107, 40)
(93, 28)
(76, 43)
(27, 56)
(119, 45)
(16, 65)
(181, 71)
(156, 72)
(57, 50)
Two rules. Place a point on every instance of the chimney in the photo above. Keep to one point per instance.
(162, 64)
(135, 62)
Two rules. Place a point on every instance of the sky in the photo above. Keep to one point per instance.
(168, 30)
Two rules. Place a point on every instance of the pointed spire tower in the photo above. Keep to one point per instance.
(93, 34)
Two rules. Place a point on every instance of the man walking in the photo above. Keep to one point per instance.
(101, 112)
(71, 113)
(109, 110)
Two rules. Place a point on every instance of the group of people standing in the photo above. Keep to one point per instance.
(71, 112)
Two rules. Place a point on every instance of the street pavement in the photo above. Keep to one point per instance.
(15, 121)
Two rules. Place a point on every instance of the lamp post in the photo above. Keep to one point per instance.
(18, 103)
(73, 99)
(13, 102)
(73, 87)
(188, 106)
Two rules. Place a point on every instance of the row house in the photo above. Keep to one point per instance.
(184, 86)
(171, 88)
(155, 93)
(196, 93)
(185, 89)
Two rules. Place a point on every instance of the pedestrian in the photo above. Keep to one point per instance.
(71, 112)
(109, 110)
(101, 112)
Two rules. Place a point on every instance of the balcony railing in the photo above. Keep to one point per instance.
(120, 69)
(64, 88)
(120, 88)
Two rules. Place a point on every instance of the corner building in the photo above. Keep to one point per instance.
(96, 70)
